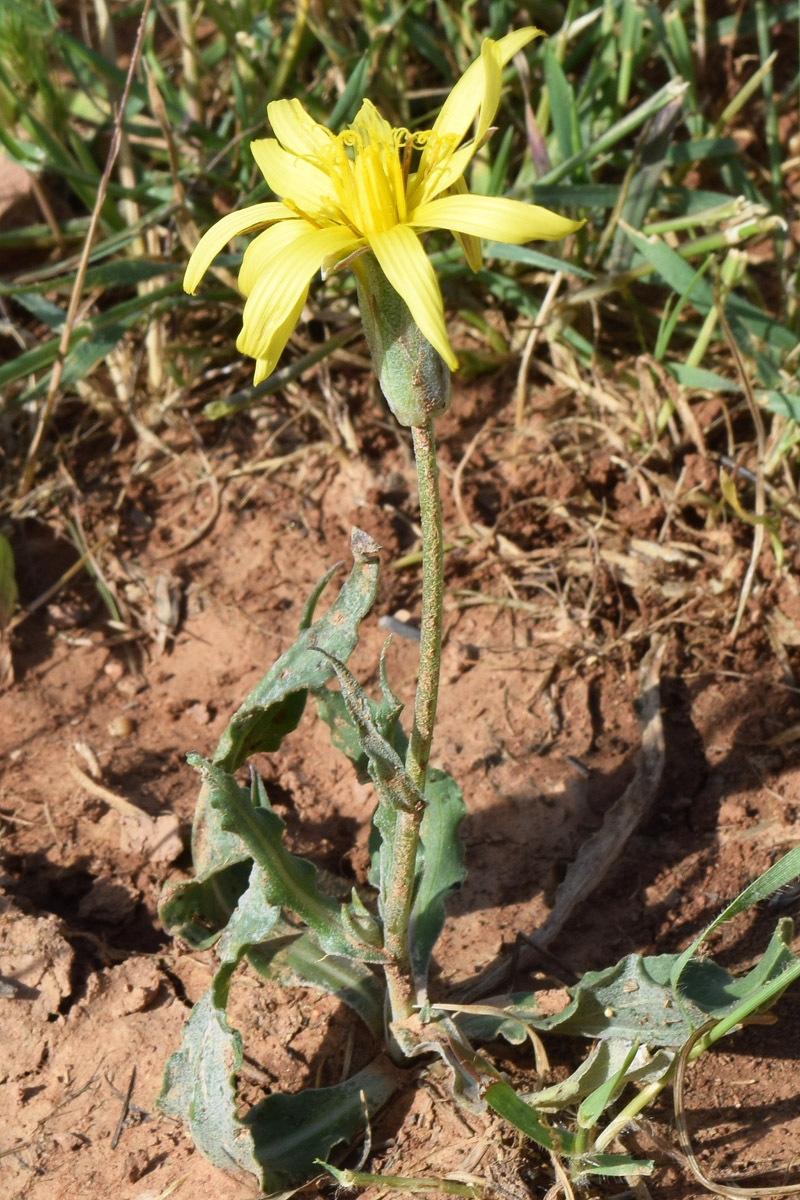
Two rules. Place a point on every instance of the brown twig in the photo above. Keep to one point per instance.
(107, 796)
(123, 1116)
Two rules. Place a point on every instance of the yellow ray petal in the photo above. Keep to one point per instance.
(441, 164)
(513, 42)
(278, 337)
(494, 217)
(408, 269)
(283, 278)
(439, 176)
(459, 109)
(292, 178)
(445, 165)
(296, 130)
(493, 84)
(263, 249)
(261, 372)
(369, 124)
(469, 244)
(217, 237)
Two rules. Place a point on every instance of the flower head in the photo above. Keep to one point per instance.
(371, 187)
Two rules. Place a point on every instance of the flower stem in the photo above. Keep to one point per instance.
(396, 906)
(430, 649)
(400, 884)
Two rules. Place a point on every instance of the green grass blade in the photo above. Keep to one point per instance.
(777, 876)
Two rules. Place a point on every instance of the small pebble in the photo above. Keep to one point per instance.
(121, 726)
(129, 686)
(199, 712)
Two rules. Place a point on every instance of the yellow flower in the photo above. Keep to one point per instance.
(362, 190)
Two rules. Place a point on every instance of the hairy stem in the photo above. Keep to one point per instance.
(430, 650)
(400, 988)
(400, 884)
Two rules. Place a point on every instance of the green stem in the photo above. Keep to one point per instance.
(430, 650)
(399, 892)
(396, 906)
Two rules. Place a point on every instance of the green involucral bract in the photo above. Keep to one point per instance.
(414, 378)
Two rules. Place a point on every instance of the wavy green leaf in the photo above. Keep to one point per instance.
(252, 923)
(290, 1132)
(275, 705)
(288, 881)
(302, 962)
(198, 910)
(635, 1000)
(199, 1087)
(440, 866)
(279, 1138)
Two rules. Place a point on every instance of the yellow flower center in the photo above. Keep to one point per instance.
(368, 165)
